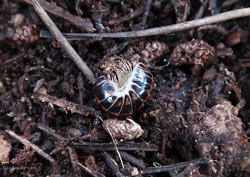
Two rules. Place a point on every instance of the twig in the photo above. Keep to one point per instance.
(51, 8)
(33, 146)
(90, 172)
(80, 85)
(74, 161)
(14, 59)
(219, 124)
(187, 170)
(132, 159)
(47, 34)
(201, 10)
(116, 148)
(66, 105)
(112, 164)
(145, 16)
(214, 7)
(229, 3)
(128, 17)
(110, 146)
(168, 29)
(65, 44)
(49, 131)
(63, 142)
(160, 169)
(38, 85)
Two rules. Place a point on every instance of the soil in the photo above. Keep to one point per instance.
(198, 112)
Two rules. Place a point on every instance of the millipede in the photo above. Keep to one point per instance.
(125, 89)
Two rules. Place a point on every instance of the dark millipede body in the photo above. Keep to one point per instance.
(126, 88)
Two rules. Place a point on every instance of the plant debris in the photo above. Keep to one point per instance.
(196, 122)
(5, 148)
(122, 129)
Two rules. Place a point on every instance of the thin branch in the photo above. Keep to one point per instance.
(90, 172)
(127, 17)
(167, 29)
(110, 146)
(160, 169)
(74, 161)
(201, 10)
(62, 40)
(229, 3)
(145, 16)
(51, 8)
(66, 105)
(112, 164)
(116, 148)
(29, 144)
(52, 132)
(137, 162)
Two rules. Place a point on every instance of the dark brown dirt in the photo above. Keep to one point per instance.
(200, 107)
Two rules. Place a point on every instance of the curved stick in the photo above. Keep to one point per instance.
(63, 41)
(164, 29)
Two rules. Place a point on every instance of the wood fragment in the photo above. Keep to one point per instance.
(34, 147)
(74, 161)
(90, 172)
(201, 10)
(49, 131)
(80, 85)
(128, 17)
(229, 3)
(115, 144)
(63, 142)
(229, 15)
(112, 164)
(67, 105)
(132, 159)
(58, 11)
(145, 15)
(160, 169)
(14, 59)
(5, 149)
(121, 146)
(63, 41)
(38, 85)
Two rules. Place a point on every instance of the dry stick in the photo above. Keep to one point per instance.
(128, 17)
(167, 29)
(74, 161)
(52, 132)
(112, 164)
(201, 10)
(90, 172)
(51, 8)
(187, 170)
(66, 105)
(229, 3)
(33, 146)
(14, 59)
(116, 149)
(132, 159)
(63, 141)
(147, 8)
(63, 41)
(110, 146)
(160, 169)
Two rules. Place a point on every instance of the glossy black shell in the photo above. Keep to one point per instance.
(127, 92)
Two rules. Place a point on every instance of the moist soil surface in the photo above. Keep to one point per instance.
(198, 112)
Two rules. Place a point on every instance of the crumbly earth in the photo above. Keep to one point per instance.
(199, 108)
